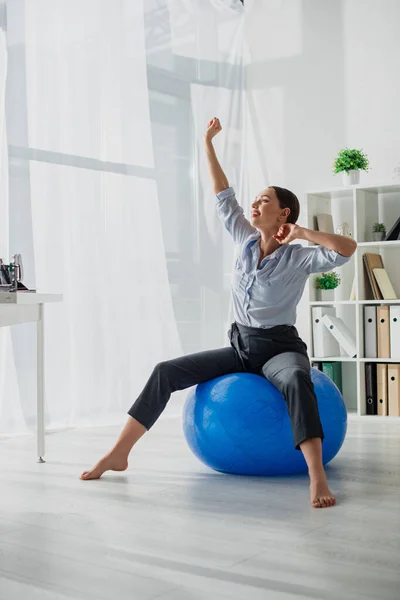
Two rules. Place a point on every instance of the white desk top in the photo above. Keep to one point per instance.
(28, 298)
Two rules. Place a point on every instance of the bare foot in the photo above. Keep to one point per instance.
(320, 494)
(110, 462)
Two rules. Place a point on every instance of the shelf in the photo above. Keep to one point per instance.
(334, 359)
(380, 360)
(341, 191)
(347, 302)
(360, 206)
(388, 419)
(349, 359)
(397, 301)
(390, 244)
(330, 302)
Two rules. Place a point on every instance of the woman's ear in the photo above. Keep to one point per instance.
(285, 213)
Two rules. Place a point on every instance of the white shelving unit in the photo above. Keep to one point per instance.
(361, 207)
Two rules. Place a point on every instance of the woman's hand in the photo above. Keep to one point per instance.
(218, 177)
(214, 127)
(287, 233)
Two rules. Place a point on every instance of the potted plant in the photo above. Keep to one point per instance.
(378, 232)
(326, 285)
(350, 162)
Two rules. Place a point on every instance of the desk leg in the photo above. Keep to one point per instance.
(40, 386)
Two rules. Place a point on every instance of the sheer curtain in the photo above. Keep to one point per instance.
(11, 415)
(109, 201)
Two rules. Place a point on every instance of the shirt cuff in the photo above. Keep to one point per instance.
(225, 193)
(340, 259)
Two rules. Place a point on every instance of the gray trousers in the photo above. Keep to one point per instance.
(277, 353)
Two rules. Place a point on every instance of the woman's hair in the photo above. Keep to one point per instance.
(287, 199)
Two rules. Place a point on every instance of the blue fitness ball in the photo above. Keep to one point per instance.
(239, 424)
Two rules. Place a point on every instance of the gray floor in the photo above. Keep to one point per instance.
(173, 530)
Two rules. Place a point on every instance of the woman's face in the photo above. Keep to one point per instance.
(266, 212)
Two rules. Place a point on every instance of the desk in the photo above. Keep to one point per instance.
(28, 307)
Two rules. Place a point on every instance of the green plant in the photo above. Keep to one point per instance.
(348, 160)
(328, 281)
(379, 227)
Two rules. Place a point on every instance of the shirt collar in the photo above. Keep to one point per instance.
(254, 239)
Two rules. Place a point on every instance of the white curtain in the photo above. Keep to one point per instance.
(11, 415)
(109, 201)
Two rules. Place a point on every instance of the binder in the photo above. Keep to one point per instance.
(317, 365)
(370, 388)
(383, 331)
(385, 285)
(394, 313)
(371, 262)
(334, 372)
(394, 233)
(324, 344)
(341, 333)
(382, 389)
(394, 390)
(370, 333)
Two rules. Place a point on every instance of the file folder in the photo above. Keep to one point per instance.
(370, 341)
(383, 329)
(371, 388)
(385, 285)
(394, 233)
(394, 390)
(334, 372)
(341, 333)
(324, 344)
(371, 262)
(395, 332)
(382, 389)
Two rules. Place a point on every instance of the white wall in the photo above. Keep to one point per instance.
(322, 75)
(372, 81)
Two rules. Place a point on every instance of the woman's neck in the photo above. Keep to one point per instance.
(268, 244)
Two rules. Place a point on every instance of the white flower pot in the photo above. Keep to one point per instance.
(325, 295)
(351, 178)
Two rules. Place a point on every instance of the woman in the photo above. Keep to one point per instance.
(268, 282)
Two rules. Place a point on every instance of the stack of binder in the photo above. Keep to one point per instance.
(330, 334)
(380, 287)
(382, 331)
(382, 387)
(341, 333)
(324, 344)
